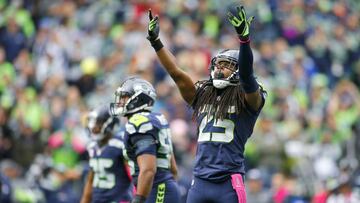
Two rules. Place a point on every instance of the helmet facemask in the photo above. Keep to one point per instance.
(118, 108)
(133, 96)
(224, 61)
(103, 122)
(94, 136)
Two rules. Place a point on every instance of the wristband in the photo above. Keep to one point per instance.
(138, 199)
(157, 45)
(244, 41)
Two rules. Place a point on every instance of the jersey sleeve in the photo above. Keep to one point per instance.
(142, 135)
(263, 94)
(143, 144)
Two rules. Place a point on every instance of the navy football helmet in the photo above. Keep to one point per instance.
(229, 58)
(100, 123)
(140, 95)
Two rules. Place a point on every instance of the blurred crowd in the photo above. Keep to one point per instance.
(60, 58)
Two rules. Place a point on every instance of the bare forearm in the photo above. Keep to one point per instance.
(174, 167)
(87, 194)
(167, 59)
(182, 79)
(145, 182)
(86, 198)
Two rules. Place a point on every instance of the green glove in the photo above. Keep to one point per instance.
(240, 22)
(153, 32)
(153, 28)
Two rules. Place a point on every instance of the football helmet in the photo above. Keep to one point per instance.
(228, 59)
(133, 95)
(100, 123)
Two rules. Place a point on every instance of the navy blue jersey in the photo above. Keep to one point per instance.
(221, 143)
(149, 133)
(111, 181)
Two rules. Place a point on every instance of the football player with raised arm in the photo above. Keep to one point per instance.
(226, 107)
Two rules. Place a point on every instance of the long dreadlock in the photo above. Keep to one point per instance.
(217, 102)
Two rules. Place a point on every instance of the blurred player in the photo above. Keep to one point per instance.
(147, 142)
(5, 189)
(108, 179)
(226, 107)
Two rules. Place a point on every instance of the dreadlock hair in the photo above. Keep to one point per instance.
(217, 102)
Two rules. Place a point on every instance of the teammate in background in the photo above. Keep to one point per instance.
(108, 178)
(226, 107)
(5, 189)
(147, 142)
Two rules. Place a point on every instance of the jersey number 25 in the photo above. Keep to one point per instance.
(216, 131)
(102, 179)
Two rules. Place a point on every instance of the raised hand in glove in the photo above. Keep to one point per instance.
(153, 32)
(153, 27)
(240, 22)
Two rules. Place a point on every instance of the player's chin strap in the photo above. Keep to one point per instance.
(221, 83)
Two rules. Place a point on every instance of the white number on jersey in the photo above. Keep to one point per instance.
(225, 125)
(102, 179)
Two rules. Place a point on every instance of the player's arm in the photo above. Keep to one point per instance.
(173, 166)
(252, 89)
(145, 151)
(86, 197)
(147, 170)
(167, 59)
(242, 26)
(182, 80)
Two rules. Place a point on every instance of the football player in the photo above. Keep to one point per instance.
(108, 179)
(147, 142)
(226, 107)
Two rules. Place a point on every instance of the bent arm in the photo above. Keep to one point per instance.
(147, 170)
(182, 79)
(86, 197)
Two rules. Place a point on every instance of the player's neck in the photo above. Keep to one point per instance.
(104, 141)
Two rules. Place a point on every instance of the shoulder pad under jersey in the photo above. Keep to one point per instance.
(139, 123)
